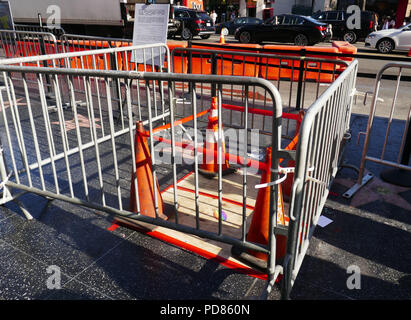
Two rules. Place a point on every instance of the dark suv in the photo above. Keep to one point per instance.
(193, 23)
(338, 20)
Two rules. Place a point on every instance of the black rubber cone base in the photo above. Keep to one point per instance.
(398, 177)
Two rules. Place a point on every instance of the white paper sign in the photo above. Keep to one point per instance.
(150, 26)
(324, 221)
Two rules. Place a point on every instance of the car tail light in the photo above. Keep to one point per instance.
(199, 21)
(321, 28)
(371, 24)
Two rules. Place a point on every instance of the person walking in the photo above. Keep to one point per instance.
(233, 15)
(213, 16)
(386, 23)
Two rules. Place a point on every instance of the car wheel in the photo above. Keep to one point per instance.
(385, 45)
(186, 34)
(350, 37)
(205, 36)
(301, 40)
(245, 37)
(224, 31)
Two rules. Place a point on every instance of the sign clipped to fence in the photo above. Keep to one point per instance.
(150, 26)
(6, 18)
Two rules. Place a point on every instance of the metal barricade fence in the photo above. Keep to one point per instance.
(300, 80)
(56, 31)
(82, 156)
(402, 162)
(75, 42)
(16, 44)
(318, 156)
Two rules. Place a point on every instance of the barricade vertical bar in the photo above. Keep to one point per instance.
(245, 156)
(33, 130)
(49, 133)
(153, 162)
(196, 186)
(220, 161)
(300, 79)
(78, 134)
(17, 127)
(172, 104)
(394, 101)
(113, 143)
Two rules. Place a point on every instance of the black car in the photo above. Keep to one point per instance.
(341, 29)
(296, 29)
(231, 26)
(193, 23)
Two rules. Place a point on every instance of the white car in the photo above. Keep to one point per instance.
(390, 39)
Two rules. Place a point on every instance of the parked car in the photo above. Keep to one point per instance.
(193, 23)
(287, 28)
(388, 40)
(229, 27)
(341, 30)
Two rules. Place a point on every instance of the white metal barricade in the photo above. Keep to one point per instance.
(318, 158)
(83, 155)
(402, 162)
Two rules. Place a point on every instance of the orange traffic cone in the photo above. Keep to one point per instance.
(144, 175)
(209, 166)
(258, 231)
(222, 38)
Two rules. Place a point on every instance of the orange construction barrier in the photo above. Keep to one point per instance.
(275, 68)
(209, 167)
(228, 65)
(144, 175)
(345, 47)
(259, 228)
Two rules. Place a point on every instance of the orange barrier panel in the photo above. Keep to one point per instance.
(345, 47)
(275, 68)
(227, 64)
(19, 49)
(180, 61)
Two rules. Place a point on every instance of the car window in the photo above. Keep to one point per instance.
(181, 14)
(276, 20)
(286, 20)
(240, 20)
(202, 15)
(332, 15)
(319, 16)
(253, 20)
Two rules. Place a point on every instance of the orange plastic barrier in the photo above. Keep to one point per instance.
(20, 49)
(227, 64)
(275, 68)
(345, 47)
(180, 61)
